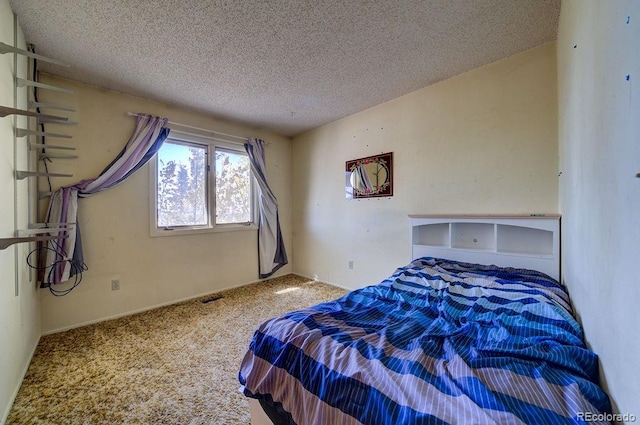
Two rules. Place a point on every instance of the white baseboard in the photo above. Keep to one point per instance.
(324, 281)
(153, 307)
(5, 415)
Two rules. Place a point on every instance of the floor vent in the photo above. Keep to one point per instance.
(211, 299)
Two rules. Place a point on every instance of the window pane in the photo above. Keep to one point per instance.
(182, 185)
(233, 187)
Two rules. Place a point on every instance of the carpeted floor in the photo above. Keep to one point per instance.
(173, 365)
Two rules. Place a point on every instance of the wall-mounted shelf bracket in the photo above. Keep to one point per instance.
(5, 48)
(38, 146)
(5, 111)
(42, 120)
(54, 230)
(21, 132)
(49, 155)
(48, 225)
(21, 82)
(34, 105)
(24, 174)
(7, 242)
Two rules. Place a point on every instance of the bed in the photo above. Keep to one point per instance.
(439, 341)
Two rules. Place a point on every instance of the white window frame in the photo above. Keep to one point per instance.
(178, 138)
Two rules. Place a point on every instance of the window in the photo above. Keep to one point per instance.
(181, 185)
(233, 187)
(201, 186)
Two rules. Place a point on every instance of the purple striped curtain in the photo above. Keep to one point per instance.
(149, 134)
(271, 252)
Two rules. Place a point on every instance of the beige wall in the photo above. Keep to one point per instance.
(19, 315)
(482, 142)
(599, 116)
(115, 223)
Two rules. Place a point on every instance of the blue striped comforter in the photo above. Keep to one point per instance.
(438, 342)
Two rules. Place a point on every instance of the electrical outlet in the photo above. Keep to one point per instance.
(351, 265)
(115, 284)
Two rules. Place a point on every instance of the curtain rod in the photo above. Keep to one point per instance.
(135, 114)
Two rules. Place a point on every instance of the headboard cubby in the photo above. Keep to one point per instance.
(520, 241)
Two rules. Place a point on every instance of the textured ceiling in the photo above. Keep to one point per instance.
(284, 65)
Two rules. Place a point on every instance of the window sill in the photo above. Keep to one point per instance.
(180, 231)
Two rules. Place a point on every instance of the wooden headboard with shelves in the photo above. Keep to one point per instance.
(521, 241)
